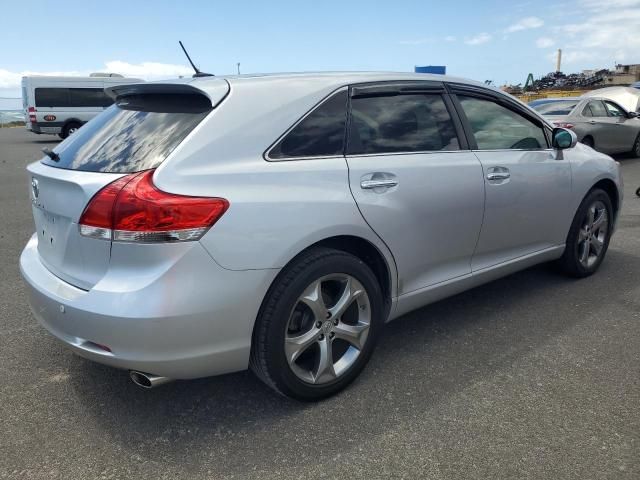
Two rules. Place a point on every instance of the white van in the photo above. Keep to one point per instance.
(61, 105)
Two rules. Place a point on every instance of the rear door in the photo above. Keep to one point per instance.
(138, 133)
(527, 186)
(600, 126)
(414, 179)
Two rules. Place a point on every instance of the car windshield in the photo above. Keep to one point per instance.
(559, 107)
(137, 133)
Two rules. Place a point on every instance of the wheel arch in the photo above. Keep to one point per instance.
(370, 255)
(69, 121)
(611, 189)
(383, 268)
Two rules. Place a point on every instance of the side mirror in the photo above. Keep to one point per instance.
(633, 114)
(564, 138)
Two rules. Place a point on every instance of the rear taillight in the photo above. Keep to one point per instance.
(563, 124)
(32, 115)
(132, 209)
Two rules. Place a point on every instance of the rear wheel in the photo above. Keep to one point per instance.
(69, 129)
(588, 238)
(318, 325)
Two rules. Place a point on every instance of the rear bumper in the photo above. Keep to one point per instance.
(187, 318)
(38, 128)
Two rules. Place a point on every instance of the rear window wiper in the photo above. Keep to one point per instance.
(52, 155)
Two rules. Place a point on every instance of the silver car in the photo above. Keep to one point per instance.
(598, 122)
(276, 222)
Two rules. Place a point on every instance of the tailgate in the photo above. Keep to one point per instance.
(58, 198)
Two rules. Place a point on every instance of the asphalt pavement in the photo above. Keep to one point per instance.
(531, 376)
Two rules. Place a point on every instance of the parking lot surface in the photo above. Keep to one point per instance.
(531, 376)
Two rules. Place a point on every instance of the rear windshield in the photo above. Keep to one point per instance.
(561, 107)
(137, 133)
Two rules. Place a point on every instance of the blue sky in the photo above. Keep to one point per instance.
(493, 39)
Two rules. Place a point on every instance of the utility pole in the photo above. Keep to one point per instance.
(238, 65)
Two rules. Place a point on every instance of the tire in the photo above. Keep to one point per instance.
(635, 151)
(291, 339)
(588, 238)
(588, 141)
(69, 129)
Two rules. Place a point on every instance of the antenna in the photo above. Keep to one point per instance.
(198, 72)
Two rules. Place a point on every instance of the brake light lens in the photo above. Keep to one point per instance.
(563, 124)
(133, 209)
(32, 115)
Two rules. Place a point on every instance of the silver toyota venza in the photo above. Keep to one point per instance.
(276, 222)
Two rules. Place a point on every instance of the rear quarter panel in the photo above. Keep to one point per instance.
(277, 209)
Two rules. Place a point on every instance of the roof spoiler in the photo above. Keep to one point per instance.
(153, 88)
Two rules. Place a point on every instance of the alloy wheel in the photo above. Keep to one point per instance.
(327, 329)
(593, 234)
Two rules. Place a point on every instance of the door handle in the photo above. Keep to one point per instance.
(498, 173)
(498, 176)
(371, 181)
(369, 184)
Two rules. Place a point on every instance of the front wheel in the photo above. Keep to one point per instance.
(589, 236)
(318, 325)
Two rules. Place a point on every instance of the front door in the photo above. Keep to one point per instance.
(528, 187)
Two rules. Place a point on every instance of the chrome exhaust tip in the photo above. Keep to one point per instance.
(146, 380)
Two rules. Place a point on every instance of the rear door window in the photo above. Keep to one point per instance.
(496, 127)
(319, 134)
(400, 123)
(137, 133)
(597, 109)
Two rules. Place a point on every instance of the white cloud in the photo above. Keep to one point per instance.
(449, 38)
(608, 33)
(599, 5)
(544, 42)
(10, 79)
(478, 39)
(572, 57)
(145, 70)
(525, 24)
(148, 70)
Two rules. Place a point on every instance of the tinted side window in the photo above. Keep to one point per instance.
(597, 109)
(319, 134)
(89, 97)
(614, 110)
(52, 97)
(586, 112)
(497, 128)
(400, 123)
